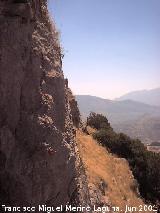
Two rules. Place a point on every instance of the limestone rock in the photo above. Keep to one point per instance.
(40, 163)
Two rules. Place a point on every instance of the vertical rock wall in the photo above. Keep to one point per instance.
(39, 161)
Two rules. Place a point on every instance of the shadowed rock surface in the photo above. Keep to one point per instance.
(40, 163)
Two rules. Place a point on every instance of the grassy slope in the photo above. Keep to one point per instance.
(115, 172)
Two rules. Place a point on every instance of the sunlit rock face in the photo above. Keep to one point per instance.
(39, 160)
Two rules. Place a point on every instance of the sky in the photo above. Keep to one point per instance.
(111, 47)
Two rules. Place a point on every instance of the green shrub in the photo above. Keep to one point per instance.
(98, 121)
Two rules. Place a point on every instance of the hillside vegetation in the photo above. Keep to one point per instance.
(144, 164)
(109, 176)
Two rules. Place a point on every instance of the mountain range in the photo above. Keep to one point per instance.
(137, 119)
(151, 97)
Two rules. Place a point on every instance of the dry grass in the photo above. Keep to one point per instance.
(115, 172)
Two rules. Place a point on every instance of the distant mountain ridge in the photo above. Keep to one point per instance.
(130, 117)
(116, 111)
(151, 97)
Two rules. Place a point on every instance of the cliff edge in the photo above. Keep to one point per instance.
(39, 163)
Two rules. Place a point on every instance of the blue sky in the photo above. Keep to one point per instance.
(111, 46)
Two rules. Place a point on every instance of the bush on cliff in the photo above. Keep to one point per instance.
(98, 121)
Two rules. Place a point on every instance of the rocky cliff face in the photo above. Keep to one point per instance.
(74, 107)
(39, 161)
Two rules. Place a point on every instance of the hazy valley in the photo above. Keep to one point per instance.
(136, 119)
